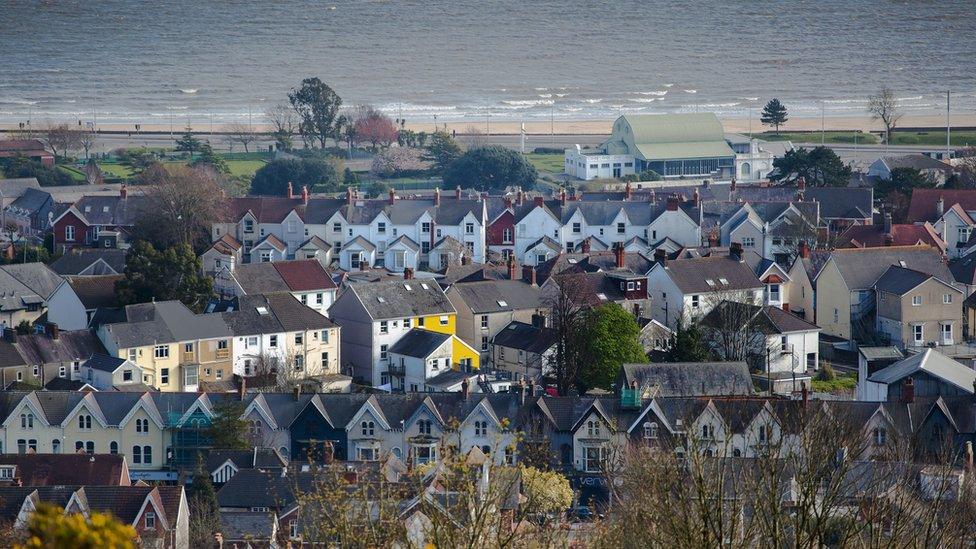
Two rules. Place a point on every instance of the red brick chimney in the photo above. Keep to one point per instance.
(305, 194)
(732, 186)
(528, 274)
(804, 249)
(586, 245)
(392, 196)
(437, 197)
(52, 330)
(349, 197)
(801, 183)
(123, 191)
(539, 201)
(457, 193)
(562, 196)
(290, 193)
(508, 202)
(673, 203)
(620, 255)
(407, 273)
(242, 388)
(511, 267)
(627, 191)
(696, 198)
(519, 197)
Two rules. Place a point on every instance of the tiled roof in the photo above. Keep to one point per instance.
(693, 275)
(79, 260)
(300, 275)
(95, 291)
(873, 236)
(899, 280)
(924, 204)
(68, 469)
(493, 296)
(104, 363)
(667, 379)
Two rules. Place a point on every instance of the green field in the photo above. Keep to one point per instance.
(935, 138)
(75, 174)
(814, 137)
(116, 170)
(244, 167)
(552, 163)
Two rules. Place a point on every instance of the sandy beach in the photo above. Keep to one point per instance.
(578, 127)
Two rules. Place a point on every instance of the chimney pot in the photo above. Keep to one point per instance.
(123, 191)
(305, 194)
(908, 391)
(437, 197)
(290, 191)
(457, 193)
(539, 200)
(511, 267)
(735, 251)
(620, 255)
(407, 273)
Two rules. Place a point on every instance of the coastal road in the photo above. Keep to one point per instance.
(859, 156)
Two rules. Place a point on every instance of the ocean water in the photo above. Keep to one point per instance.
(136, 61)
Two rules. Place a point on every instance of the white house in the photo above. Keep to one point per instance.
(419, 356)
(104, 372)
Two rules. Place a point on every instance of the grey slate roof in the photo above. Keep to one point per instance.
(667, 379)
(111, 210)
(165, 322)
(36, 276)
(899, 280)
(933, 362)
(104, 363)
(692, 275)
(406, 241)
(529, 338)
(254, 527)
(862, 267)
(492, 296)
(284, 313)
(79, 259)
(95, 291)
(31, 201)
(766, 319)
(843, 202)
(391, 299)
(419, 343)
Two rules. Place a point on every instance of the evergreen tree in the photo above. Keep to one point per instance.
(173, 273)
(440, 151)
(687, 344)
(188, 142)
(209, 158)
(819, 167)
(227, 428)
(774, 114)
(611, 341)
(203, 507)
(490, 168)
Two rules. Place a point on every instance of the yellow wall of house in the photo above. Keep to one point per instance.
(433, 323)
(833, 295)
(152, 366)
(460, 351)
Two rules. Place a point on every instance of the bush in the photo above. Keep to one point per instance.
(826, 372)
(47, 176)
(273, 178)
(548, 150)
(649, 175)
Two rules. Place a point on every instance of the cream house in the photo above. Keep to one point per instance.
(916, 309)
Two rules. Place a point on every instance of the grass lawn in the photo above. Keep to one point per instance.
(552, 163)
(75, 174)
(934, 138)
(244, 167)
(116, 170)
(843, 383)
(814, 137)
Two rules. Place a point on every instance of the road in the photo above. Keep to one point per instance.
(860, 156)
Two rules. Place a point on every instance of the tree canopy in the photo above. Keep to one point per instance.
(317, 106)
(187, 142)
(272, 179)
(774, 114)
(173, 273)
(687, 344)
(820, 167)
(441, 151)
(375, 128)
(50, 528)
(545, 491)
(185, 203)
(209, 158)
(228, 429)
(490, 168)
(47, 176)
(611, 340)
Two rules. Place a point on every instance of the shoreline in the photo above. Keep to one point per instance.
(573, 127)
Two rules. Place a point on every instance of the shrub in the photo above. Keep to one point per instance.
(399, 162)
(273, 178)
(826, 372)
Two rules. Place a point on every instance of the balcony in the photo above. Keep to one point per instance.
(223, 354)
(396, 370)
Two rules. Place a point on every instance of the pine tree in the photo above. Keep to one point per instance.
(774, 114)
(187, 142)
(209, 158)
(687, 344)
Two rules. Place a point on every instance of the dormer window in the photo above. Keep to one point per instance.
(368, 428)
(248, 225)
(150, 520)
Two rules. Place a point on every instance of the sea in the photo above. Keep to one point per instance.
(134, 61)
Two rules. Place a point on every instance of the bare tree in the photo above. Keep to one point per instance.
(86, 140)
(183, 204)
(284, 122)
(61, 139)
(241, 133)
(567, 315)
(884, 107)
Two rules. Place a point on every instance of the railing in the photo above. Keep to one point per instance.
(223, 354)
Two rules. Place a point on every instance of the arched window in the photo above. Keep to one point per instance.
(79, 445)
(90, 447)
(397, 452)
(56, 446)
(27, 421)
(486, 449)
(369, 428)
(650, 429)
(84, 421)
(736, 452)
(147, 454)
(113, 448)
(746, 169)
(136, 454)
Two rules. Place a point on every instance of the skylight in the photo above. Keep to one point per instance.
(381, 299)
(603, 297)
(709, 281)
(502, 303)
(724, 281)
(424, 286)
(407, 287)
(902, 263)
(261, 310)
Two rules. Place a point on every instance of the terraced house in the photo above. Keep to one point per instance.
(374, 316)
(288, 227)
(175, 348)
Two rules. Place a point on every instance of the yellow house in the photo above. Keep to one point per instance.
(375, 315)
(175, 348)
